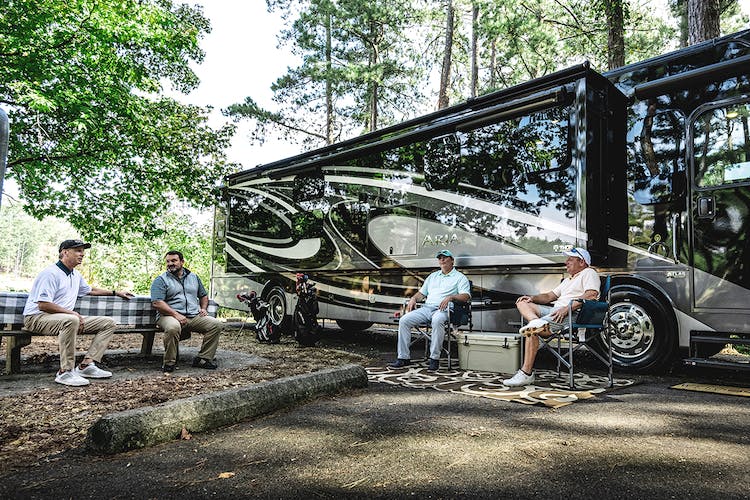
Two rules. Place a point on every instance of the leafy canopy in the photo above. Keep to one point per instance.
(91, 140)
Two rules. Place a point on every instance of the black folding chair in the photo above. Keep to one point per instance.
(458, 317)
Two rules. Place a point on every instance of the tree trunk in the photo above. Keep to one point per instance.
(615, 33)
(374, 61)
(374, 112)
(703, 20)
(493, 58)
(474, 55)
(329, 91)
(445, 73)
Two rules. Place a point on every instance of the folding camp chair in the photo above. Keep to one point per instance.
(590, 321)
(458, 317)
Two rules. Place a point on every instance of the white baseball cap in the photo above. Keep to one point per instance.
(581, 253)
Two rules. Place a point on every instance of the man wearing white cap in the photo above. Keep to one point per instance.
(438, 291)
(542, 317)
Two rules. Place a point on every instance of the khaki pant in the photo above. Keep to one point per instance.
(65, 326)
(209, 326)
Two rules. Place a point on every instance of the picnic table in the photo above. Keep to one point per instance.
(132, 316)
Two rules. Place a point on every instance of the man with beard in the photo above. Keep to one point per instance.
(181, 303)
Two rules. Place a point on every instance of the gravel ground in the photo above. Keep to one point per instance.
(643, 441)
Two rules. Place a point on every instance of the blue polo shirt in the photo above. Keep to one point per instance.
(438, 286)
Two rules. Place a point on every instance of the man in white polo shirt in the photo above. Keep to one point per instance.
(549, 310)
(49, 311)
(438, 291)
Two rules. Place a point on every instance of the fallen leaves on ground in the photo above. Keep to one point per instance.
(40, 424)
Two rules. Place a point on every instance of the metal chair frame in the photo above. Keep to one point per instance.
(593, 315)
(458, 317)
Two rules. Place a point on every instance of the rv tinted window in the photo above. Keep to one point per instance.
(441, 162)
(501, 155)
(656, 150)
(309, 187)
(721, 146)
(307, 225)
(257, 216)
(524, 164)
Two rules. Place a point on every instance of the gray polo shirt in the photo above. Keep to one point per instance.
(182, 295)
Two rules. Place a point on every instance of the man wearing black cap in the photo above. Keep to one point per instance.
(49, 311)
(438, 291)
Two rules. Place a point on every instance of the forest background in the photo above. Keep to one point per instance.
(103, 146)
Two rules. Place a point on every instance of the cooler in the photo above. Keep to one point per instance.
(489, 352)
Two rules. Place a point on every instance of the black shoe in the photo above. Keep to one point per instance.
(204, 363)
(400, 363)
(167, 368)
(433, 365)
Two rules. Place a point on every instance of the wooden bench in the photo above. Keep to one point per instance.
(132, 316)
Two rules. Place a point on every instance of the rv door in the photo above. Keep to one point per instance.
(720, 210)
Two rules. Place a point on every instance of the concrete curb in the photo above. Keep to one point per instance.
(138, 428)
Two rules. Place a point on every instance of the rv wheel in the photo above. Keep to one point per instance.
(353, 326)
(278, 310)
(642, 331)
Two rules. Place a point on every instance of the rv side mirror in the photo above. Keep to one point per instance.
(442, 158)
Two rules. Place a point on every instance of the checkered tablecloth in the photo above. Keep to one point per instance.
(134, 312)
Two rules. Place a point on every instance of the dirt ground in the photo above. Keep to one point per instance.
(41, 420)
(642, 441)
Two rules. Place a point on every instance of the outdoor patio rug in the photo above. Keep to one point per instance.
(715, 389)
(548, 389)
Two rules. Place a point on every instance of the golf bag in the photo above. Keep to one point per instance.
(265, 330)
(306, 329)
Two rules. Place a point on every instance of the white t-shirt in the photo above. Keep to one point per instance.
(574, 287)
(58, 285)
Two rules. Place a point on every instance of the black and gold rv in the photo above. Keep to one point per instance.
(647, 166)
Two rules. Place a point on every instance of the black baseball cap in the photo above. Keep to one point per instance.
(73, 244)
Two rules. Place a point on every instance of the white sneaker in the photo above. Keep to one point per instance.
(92, 371)
(535, 327)
(520, 379)
(70, 378)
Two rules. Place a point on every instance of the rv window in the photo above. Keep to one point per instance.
(721, 146)
(656, 152)
(441, 161)
(500, 155)
(307, 225)
(350, 220)
(256, 216)
(522, 163)
(309, 187)
(543, 140)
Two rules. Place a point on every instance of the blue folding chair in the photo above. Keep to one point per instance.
(590, 321)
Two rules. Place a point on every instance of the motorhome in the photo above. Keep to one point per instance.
(646, 166)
